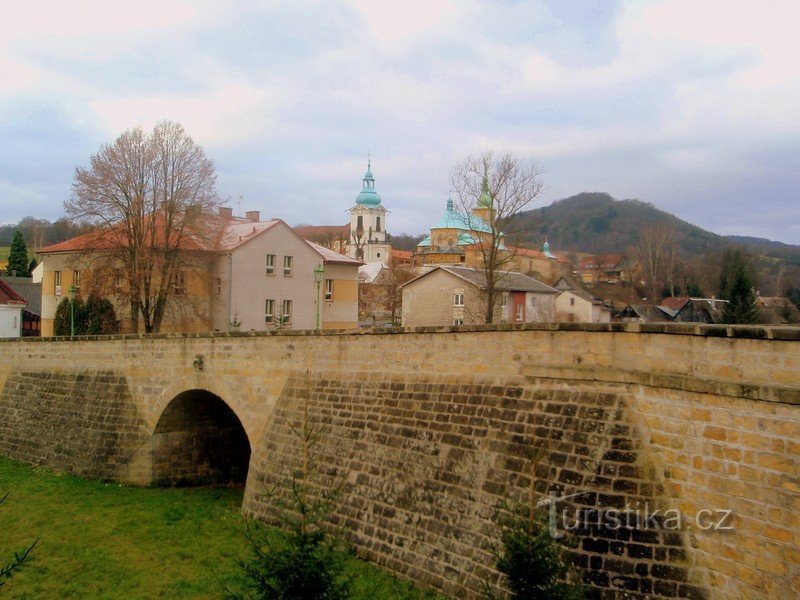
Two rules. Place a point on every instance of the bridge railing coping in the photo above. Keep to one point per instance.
(755, 332)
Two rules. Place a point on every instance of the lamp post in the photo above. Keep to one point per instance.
(318, 274)
(72, 292)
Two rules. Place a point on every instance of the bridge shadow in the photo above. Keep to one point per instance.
(199, 440)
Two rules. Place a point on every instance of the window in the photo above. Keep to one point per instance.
(518, 315)
(458, 321)
(14, 326)
(180, 282)
(286, 313)
(288, 261)
(572, 301)
(533, 301)
(360, 224)
(329, 289)
(117, 279)
(269, 311)
(270, 264)
(76, 278)
(377, 224)
(57, 283)
(503, 300)
(458, 299)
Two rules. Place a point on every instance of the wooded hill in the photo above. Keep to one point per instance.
(596, 223)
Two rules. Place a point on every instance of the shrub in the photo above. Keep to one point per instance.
(530, 560)
(300, 559)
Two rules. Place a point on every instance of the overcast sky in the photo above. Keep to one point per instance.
(692, 105)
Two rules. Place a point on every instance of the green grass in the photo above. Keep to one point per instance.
(4, 252)
(104, 540)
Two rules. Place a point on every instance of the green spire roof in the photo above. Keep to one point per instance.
(485, 200)
(368, 196)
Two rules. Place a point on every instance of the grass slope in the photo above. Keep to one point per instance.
(104, 540)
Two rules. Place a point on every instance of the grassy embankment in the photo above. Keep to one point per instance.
(104, 540)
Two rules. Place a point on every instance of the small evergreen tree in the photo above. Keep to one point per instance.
(33, 264)
(98, 316)
(299, 560)
(531, 561)
(95, 316)
(736, 285)
(693, 290)
(62, 323)
(18, 257)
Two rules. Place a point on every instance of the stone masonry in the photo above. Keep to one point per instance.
(424, 448)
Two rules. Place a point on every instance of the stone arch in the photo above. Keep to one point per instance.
(199, 440)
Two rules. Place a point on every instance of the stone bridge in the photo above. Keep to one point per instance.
(426, 432)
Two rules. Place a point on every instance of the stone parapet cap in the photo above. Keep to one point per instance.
(753, 332)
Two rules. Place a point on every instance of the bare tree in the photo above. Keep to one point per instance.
(392, 293)
(491, 190)
(152, 198)
(654, 247)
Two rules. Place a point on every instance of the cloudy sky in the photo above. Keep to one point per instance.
(692, 105)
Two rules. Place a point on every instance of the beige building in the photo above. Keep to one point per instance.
(576, 306)
(543, 265)
(260, 276)
(454, 295)
(265, 280)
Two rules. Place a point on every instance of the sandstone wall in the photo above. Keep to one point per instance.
(425, 442)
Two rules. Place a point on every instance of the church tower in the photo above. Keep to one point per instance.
(368, 224)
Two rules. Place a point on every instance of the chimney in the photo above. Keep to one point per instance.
(226, 212)
(253, 215)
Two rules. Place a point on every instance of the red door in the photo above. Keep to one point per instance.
(518, 307)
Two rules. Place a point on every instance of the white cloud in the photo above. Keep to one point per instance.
(231, 112)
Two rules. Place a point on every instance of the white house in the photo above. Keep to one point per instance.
(11, 305)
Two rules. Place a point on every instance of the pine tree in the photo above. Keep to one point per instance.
(737, 287)
(18, 257)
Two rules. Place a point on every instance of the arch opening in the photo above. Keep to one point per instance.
(199, 440)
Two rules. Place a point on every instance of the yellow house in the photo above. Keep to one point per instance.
(83, 265)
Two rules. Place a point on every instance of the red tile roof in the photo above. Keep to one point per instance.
(601, 261)
(402, 254)
(9, 297)
(675, 303)
(115, 237)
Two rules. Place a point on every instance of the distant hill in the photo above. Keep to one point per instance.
(597, 223)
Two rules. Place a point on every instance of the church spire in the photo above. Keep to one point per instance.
(485, 200)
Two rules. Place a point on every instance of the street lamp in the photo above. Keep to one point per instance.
(72, 292)
(319, 272)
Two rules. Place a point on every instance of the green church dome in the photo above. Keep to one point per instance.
(368, 196)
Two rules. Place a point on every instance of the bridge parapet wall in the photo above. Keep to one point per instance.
(430, 428)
